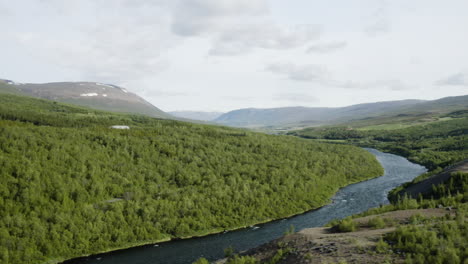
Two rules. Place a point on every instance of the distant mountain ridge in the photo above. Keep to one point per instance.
(315, 116)
(95, 95)
(197, 115)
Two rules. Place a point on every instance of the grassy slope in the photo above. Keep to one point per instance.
(71, 186)
(118, 106)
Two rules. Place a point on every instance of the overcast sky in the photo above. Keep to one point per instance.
(229, 54)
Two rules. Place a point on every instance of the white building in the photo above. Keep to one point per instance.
(120, 127)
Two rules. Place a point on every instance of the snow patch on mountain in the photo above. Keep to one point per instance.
(89, 94)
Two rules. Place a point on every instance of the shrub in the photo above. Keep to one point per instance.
(201, 261)
(382, 246)
(228, 252)
(376, 223)
(346, 225)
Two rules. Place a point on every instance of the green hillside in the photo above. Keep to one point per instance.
(72, 186)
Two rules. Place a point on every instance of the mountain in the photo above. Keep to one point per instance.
(196, 115)
(315, 116)
(95, 95)
(252, 117)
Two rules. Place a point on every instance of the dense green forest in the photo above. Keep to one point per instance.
(434, 145)
(72, 186)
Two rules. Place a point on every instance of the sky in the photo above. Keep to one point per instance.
(221, 55)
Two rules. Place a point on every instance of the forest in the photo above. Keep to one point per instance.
(73, 186)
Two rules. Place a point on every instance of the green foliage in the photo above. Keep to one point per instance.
(382, 246)
(72, 186)
(242, 260)
(228, 252)
(279, 255)
(201, 261)
(376, 223)
(346, 225)
(290, 230)
(444, 242)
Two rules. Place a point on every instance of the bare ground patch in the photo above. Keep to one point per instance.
(322, 245)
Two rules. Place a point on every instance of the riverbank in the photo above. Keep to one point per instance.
(326, 245)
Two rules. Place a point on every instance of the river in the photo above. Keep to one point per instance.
(349, 200)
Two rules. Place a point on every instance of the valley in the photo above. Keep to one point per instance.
(233, 132)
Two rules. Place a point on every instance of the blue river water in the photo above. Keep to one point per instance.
(349, 200)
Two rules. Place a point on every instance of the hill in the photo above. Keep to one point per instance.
(197, 115)
(99, 96)
(72, 185)
(290, 117)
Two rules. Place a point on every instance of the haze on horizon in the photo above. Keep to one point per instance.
(220, 55)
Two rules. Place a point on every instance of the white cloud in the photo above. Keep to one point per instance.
(296, 98)
(195, 17)
(321, 75)
(379, 27)
(393, 84)
(238, 27)
(307, 73)
(244, 38)
(458, 79)
(115, 49)
(380, 22)
(327, 47)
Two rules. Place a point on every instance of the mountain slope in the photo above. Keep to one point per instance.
(197, 115)
(312, 115)
(91, 94)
